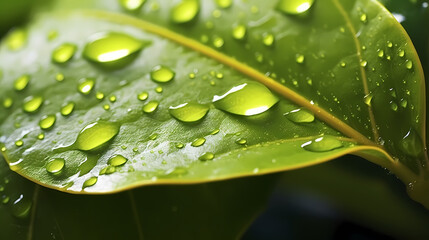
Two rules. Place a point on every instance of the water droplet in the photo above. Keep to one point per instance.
(132, 5)
(380, 53)
(112, 50)
(219, 75)
(404, 103)
(224, 3)
(198, 142)
(112, 98)
(22, 82)
(179, 145)
(94, 135)
(216, 13)
(47, 122)
(16, 39)
(294, 7)
(106, 107)
(153, 136)
(393, 106)
(322, 144)
(267, 39)
(246, 99)
(5, 199)
(55, 166)
(300, 116)
(189, 112)
(367, 99)
(63, 53)
(185, 11)
(90, 182)
(67, 109)
(389, 44)
(363, 63)
(21, 207)
(218, 42)
(108, 170)
(239, 32)
(32, 104)
(117, 160)
(19, 143)
(401, 53)
(299, 58)
(7, 102)
(52, 35)
(99, 95)
(59, 77)
(214, 132)
(142, 96)
(162, 74)
(343, 64)
(150, 107)
(409, 64)
(86, 85)
(241, 141)
(206, 156)
(41, 136)
(191, 75)
(411, 144)
(363, 18)
(159, 89)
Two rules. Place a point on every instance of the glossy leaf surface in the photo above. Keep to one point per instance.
(340, 64)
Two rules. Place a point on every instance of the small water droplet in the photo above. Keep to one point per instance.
(189, 112)
(393, 106)
(185, 11)
(409, 64)
(343, 64)
(150, 107)
(59, 77)
(22, 82)
(132, 5)
(294, 7)
(108, 170)
(218, 42)
(112, 98)
(389, 44)
(90, 182)
(117, 160)
(86, 85)
(367, 99)
(55, 166)
(106, 107)
(300, 116)
(63, 53)
(32, 104)
(162, 74)
(153, 136)
(224, 3)
(239, 32)
(214, 132)
(67, 109)
(206, 156)
(268, 39)
(411, 144)
(299, 58)
(246, 99)
(19, 143)
(322, 144)
(191, 75)
(179, 145)
(99, 95)
(112, 50)
(142, 96)
(363, 63)
(159, 89)
(7, 102)
(401, 53)
(5, 199)
(47, 122)
(41, 136)
(404, 103)
(94, 135)
(198, 142)
(363, 18)
(241, 141)
(52, 35)
(21, 207)
(16, 39)
(380, 53)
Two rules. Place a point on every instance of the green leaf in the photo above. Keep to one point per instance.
(348, 62)
(156, 212)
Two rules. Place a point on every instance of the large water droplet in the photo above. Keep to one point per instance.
(112, 50)
(86, 85)
(32, 104)
(162, 74)
(90, 182)
(239, 32)
(132, 5)
(94, 135)
(411, 144)
(67, 109)
(47, 122)
(322, 144)
(63, 53)
(21, 207)
(16, 39)
(198, 142)
(55, 166)
(117, 160)
(294, 7)
(21, 83)
(246, 99)
(224, 3)
(206, 156)
(150, 107)
(185, 11)
(300, 116)
(189, 112)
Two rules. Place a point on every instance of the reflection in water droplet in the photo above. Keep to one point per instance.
(294, 7)
(189, 112)
(185, 11)
(67, 109)
(95, 135)
(90, 182)
(132, 5)
(246, 99)
(21, 83)
(47, 122)
(112, 50)
(21, 207)
(16, 39)
(86, 85)
(206, 156)
(150, 107)
(411, 144)
(32, 104)
(322, 144)
(55, 166)
(162, 74)
(300, 116)
(142, 96)
(239, 32)
(117, 160)
(63, 53)
(198, 142)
